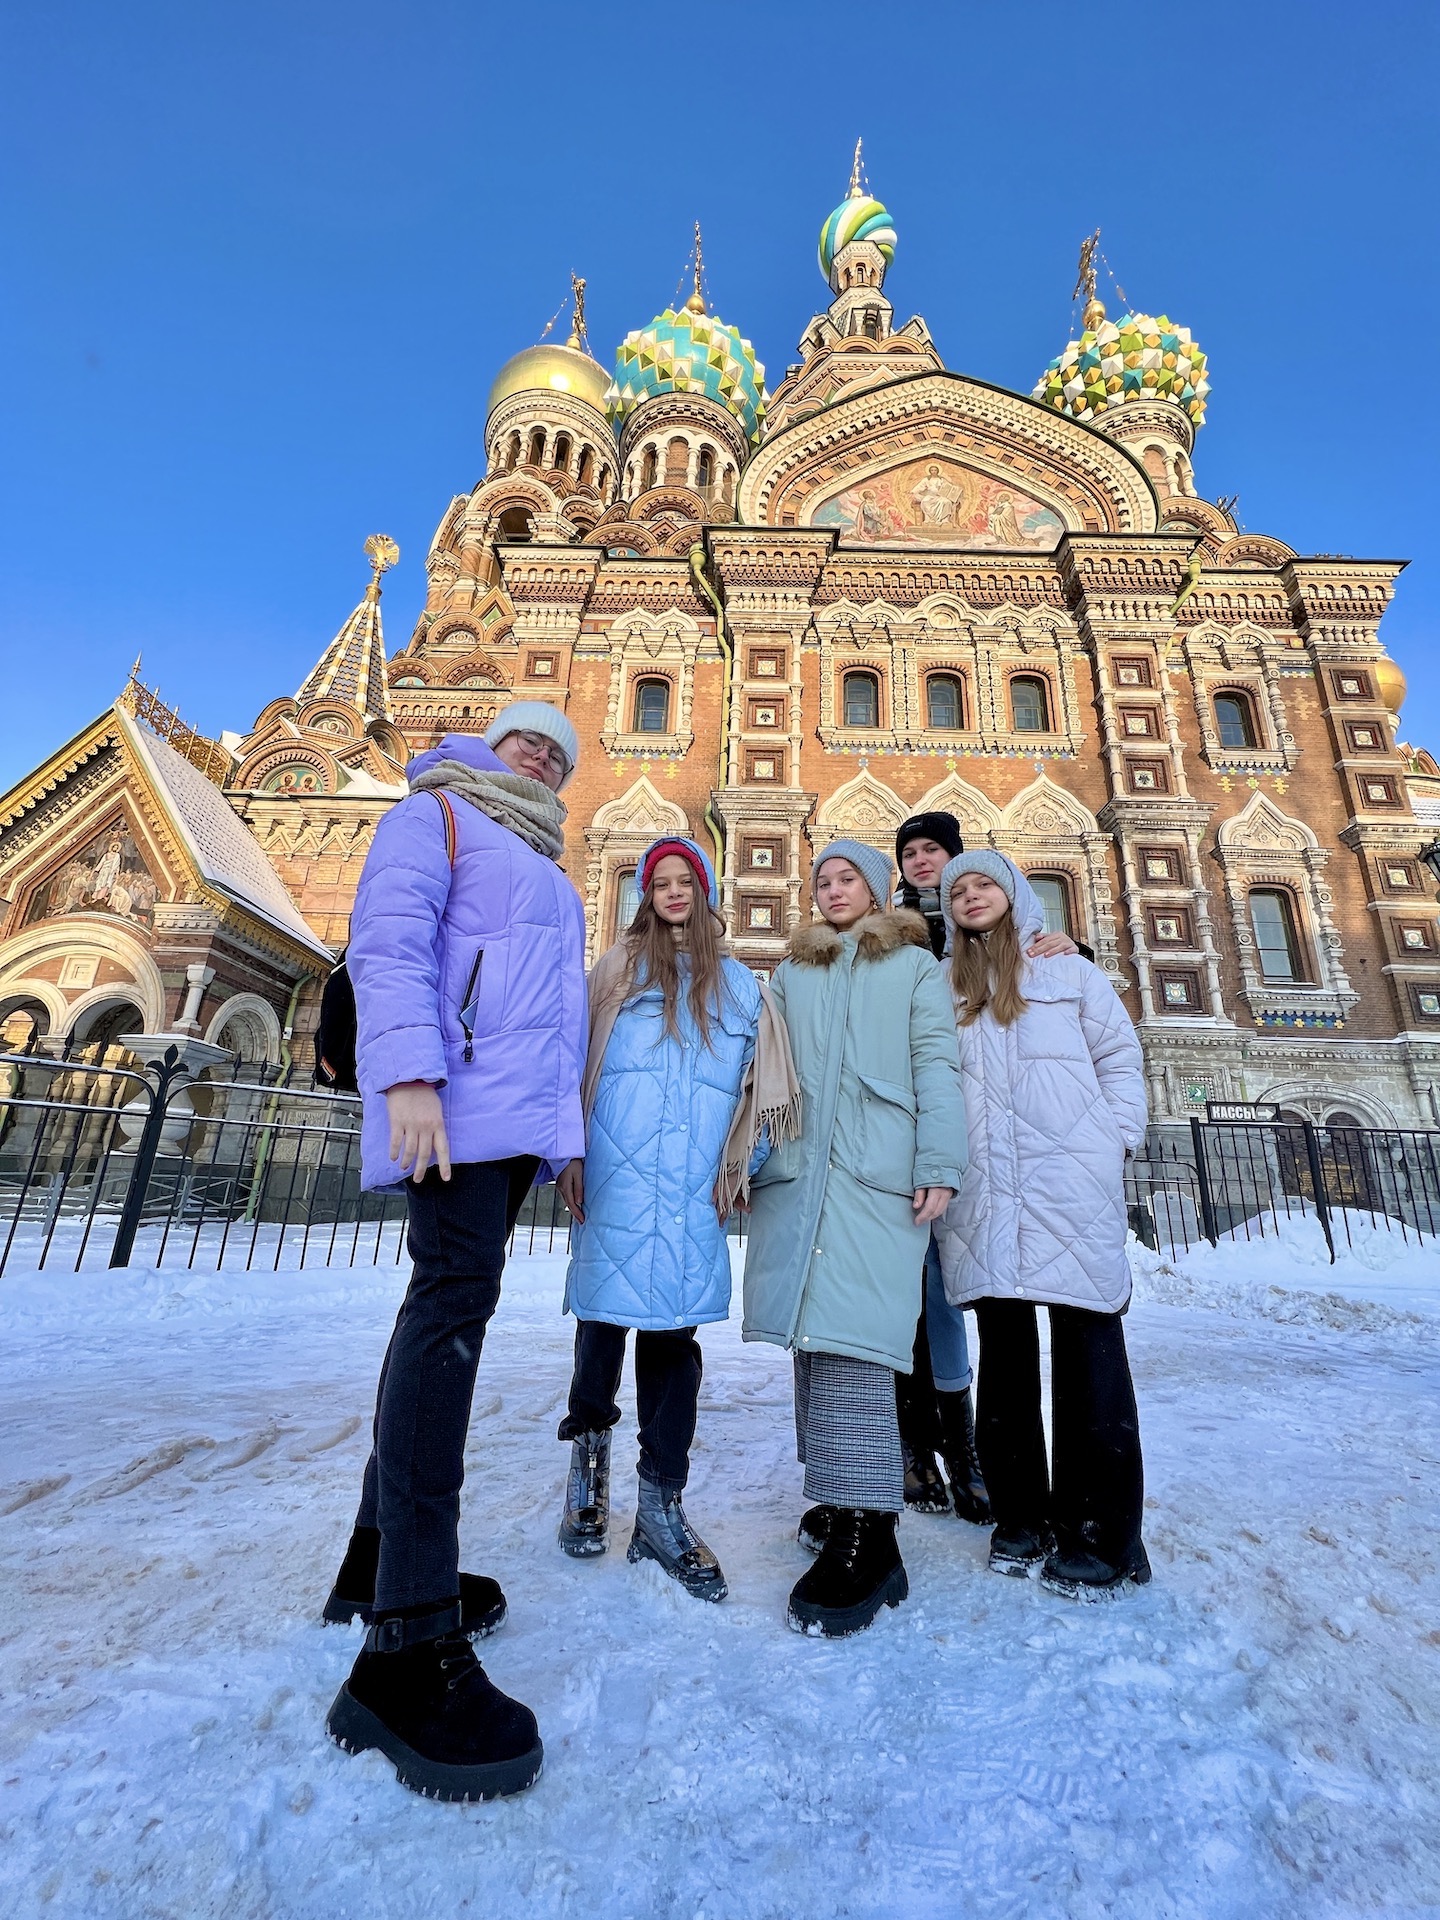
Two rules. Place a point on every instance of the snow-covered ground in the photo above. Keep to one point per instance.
(1256, 1734)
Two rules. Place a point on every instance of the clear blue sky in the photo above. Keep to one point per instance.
(262, 262)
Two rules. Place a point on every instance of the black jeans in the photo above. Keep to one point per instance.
(458, 1231)
(1096, 1502)
(667, 1393)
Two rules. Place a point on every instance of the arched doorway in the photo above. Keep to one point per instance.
(99, 1029)
(24, 1021)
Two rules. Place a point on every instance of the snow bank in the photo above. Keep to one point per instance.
(1254, 1734)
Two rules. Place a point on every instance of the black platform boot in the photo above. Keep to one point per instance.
(1018, 1551)
(962, 1462)
(420, 1697)
(1079, 1575)
(924, 1489)
(482, 1604)
(858, 1572)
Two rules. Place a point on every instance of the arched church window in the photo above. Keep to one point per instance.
(1272, 920)
(1029, 706)
(861, 700)
(561, 455)
(649, 465)
(516, 525)
(512, 452)
(536, 455)
(587, 467)
(604, 481)
(627, 900)
(705, 468)
(943, 708)
(652, 706)
(1234, 720)
(870, 323)
(1053, 890)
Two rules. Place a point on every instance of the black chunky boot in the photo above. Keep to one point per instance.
(1018, 1551)
(962, 1461)
(424, 1701)
(1078, 1575)
(924, 1489)
(814, 1528)
(585, 1523)
(482, 1604)
(858, 1572)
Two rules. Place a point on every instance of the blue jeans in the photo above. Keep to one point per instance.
(949, 1348)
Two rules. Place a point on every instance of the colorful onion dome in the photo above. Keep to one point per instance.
(1137, 357)
(552, 367)
(858, 218)
(689, 352)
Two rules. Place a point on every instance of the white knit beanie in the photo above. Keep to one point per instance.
(875, 868)
(993, 865)
(537, 716)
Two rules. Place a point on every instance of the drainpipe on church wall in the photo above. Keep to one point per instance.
(727, 654)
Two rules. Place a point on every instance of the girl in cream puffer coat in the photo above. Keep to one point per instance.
(1055, 1099)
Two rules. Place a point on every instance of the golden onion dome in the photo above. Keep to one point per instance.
(1391, 683)
(551, 369)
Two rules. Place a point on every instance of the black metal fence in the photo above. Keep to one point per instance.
(103, 1163)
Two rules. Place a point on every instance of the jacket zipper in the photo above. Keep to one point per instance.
(466, 1001)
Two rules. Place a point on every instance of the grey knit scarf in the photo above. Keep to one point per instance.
(527, 807)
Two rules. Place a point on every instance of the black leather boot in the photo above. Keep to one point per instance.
(858, 1572)
(422, 1699)
(482, 1604)
(962, 1462)
(924, 1489)
(1018, 1551)
(1079, 1575)
(814, 1528)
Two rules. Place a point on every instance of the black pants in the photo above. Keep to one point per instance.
(916, 1405)
(1095, 1503)
(457, 1237)
(667, 1394)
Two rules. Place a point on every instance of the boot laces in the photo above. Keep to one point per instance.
(459, 1655)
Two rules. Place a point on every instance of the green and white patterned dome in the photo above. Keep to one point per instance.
(1137, 357)
(689, 351)
(861, 217)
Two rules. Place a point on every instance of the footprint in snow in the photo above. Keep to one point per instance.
(158, 1460)
(236, 1453)
(322, 1439)
(12, 1499)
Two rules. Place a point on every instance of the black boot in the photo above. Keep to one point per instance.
(1084, 1576)
(426, 1704)
(482, 1604)
(1018, 1551)
(814, 1528)
(924, 1488)
(585, 1523)
(962, 1461)
(858, 1572)
(664, 1535)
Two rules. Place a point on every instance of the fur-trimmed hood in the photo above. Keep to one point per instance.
(877, 935)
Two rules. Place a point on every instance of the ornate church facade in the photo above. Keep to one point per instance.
(775, 617)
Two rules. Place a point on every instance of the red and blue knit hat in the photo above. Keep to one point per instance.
(687, 850)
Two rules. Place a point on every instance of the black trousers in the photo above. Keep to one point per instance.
(668, 1368)
(457, 1237)
(1095, 1502)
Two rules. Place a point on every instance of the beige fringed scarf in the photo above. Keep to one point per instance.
(527, 807)
(769, 1099)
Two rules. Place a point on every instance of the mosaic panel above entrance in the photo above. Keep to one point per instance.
(932, 501)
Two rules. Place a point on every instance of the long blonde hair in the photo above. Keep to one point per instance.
(985, 972)
(654, 952)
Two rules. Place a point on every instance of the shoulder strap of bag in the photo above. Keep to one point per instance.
(451, 831)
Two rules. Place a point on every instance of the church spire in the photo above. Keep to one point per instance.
(352, 667)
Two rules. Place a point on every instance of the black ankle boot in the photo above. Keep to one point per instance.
(814, 1528)
(424, 1701)
(924, 1488)
(482, 1604)
(1018, 1551)
(858, 1572)
(962, 1462)
(1078, 1575)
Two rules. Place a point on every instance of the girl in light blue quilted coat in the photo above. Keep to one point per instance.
(674, 1024)
(1054, 1099)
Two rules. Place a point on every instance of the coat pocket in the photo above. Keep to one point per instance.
(886, 1135)
(469, 1009)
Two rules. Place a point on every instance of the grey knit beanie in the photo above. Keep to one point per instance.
(993, 865)
(537, 716)
(876, 868)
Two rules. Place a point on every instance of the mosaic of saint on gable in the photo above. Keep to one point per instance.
(933, 501)
(108, 874)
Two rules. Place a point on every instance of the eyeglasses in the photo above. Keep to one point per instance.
(547, 749)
